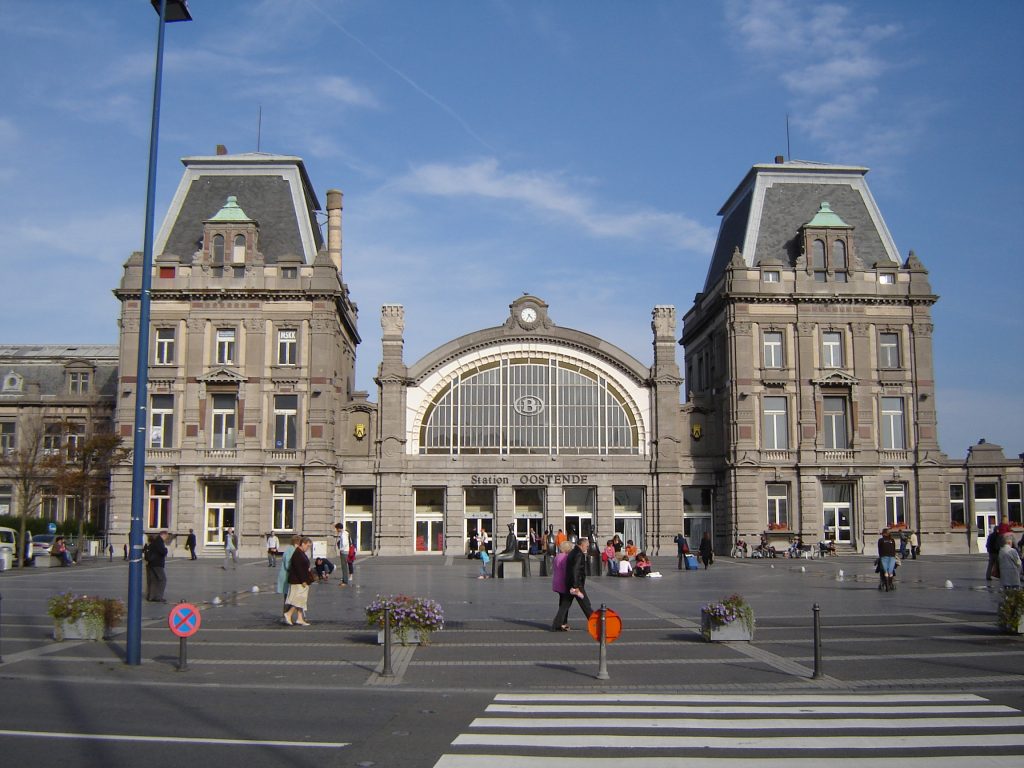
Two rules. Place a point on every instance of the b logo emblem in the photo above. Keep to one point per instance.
(529, 405)
(696, 431)
(360, 431)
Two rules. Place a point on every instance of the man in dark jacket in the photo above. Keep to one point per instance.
(575, 580)
(156, 579)
(992, 546)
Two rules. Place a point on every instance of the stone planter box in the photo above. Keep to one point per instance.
(734, 631)
(412, 637)
(79, 630)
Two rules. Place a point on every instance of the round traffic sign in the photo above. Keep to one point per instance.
(52, 528)
(612, 625)
(184, 619)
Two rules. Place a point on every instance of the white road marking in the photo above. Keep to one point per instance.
(173, 739)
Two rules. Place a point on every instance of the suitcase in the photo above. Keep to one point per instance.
(691, 562)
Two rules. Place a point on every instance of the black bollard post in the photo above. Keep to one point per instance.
(386, 671)
(182, 654)
(602, 655)
(817, 643)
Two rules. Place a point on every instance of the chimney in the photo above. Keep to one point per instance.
(334, 227)
(221, 149)
(779, 160)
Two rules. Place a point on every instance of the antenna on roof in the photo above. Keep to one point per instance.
(789, 155)
(259, 126)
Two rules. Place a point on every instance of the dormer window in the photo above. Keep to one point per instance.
(771, 276)
(13, 382)
(839, 261)
(827, 245)
(886, 278)
(218, 249)
(818, 260)
(78, 382)
(238, 251)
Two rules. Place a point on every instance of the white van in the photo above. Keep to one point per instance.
(8, 539)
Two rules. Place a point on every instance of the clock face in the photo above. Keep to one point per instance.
(528, 314)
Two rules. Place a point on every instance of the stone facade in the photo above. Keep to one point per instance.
(807, 407)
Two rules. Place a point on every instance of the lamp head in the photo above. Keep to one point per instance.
(175, 10)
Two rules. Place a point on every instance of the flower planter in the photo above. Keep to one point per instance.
(79, 629)
(716, 633)
(412, 637)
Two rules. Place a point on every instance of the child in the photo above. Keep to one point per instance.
(485, 561)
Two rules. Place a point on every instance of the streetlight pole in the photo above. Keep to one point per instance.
(168, 10)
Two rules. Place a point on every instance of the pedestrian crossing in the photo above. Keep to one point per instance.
(601, 730)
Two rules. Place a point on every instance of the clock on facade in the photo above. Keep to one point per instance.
(528, 314)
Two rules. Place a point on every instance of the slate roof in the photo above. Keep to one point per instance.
(45, 365)
(775, 201)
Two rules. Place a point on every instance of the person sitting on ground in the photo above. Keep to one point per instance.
(631, 549)
(643, 565)
(625, 567)
(323, 568)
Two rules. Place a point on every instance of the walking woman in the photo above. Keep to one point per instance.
(299, 579)
(707, 550)
(282, 573)
(886, 560)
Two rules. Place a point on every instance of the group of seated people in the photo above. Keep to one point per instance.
(796, 548)
(625, 560)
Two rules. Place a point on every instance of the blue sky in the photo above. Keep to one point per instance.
(575, 150)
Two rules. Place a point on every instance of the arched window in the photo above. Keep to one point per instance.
(218, 249)
(530, 405)
(839, 260)
(818, 260)
(238, 252)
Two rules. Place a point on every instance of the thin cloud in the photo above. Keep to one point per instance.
(833, 64)
(550, 195)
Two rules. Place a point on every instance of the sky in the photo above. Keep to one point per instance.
(576, 150)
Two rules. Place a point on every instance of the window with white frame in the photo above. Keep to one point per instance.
(78, 382)
(895, 505)
(893, 432)
(225, 346)
(286, 409)
(223, 427)
(284, 507)
(8, 436)
(831, 349)
(159, 506)
(238, 250)
(834, 418)
(1013, 503)
(161, 421)
(75, 439)
(429, 519)
(778, 506)
(772, 346)
(287, 346)
(53, 437)
(163, 353)
(775, 425)
(886, 278)
(888, 350)
(957, 505)
(771, 276)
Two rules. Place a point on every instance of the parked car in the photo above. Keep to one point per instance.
(8, 538)
(41, 544)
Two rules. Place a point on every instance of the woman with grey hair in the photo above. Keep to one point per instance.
(1009, 564)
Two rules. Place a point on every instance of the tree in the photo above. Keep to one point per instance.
(29, 464)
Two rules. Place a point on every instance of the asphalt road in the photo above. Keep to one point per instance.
(265, 695)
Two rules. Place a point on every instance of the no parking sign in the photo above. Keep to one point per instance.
(184, 620)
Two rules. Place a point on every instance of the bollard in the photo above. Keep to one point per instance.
(386, 670)
(817, 644)
(602, 657)
(182, 654)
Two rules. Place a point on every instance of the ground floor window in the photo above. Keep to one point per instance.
(479, 506)
(837, 512)
(580, 506)
(283, 514)
(895, 506)
(778, 506)
(698, 508)
(221, 507)
(957, 506)
(159, 506)
(1013, 503)
(529, 516)
(6, 500)
(429, 519)
(48, 504)
(629, 515)
(358, 517)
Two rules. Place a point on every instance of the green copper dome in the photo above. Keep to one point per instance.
(230, 211)
(826, 217)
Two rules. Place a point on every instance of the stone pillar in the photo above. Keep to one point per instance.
(394, 501)
(334, 198)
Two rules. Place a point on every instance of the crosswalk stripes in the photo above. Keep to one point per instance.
(601, 730)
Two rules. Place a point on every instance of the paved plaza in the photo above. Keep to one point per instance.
(497, 658)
